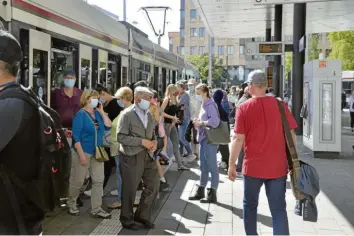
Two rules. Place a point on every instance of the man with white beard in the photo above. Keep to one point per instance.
(194, 106)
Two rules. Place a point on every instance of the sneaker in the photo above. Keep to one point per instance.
(101, 214)
(182, 167)
(115, 205)
(74, 211)
(222, 165)
(114, 192)
(88, 193)
(191, 158)
(163, 185)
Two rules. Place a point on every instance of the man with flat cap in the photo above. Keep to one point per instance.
(135, 133)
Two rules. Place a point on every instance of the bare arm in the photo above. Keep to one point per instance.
(236, 147)
(79, 149)
(107, 122)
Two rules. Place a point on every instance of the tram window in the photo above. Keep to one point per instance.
(85, 74)
(112, 78)
(60, 60)
(124, 75)
(40, 73)
(103, 71)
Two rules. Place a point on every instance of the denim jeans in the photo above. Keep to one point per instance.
(275, 190)
(183, 143)
(208, 164)
(119, 178)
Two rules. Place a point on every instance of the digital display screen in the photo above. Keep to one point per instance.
(270, 48)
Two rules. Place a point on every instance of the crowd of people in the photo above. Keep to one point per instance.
(136, 132)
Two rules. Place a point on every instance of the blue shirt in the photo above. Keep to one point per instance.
(84, 131)
(184, 100)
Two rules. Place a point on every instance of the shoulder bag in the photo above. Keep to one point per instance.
(220, 134)
(294, 165)
(100, 154)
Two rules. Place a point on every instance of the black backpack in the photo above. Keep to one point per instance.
(52, 181)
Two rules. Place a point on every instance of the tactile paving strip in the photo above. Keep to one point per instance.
(113, 226)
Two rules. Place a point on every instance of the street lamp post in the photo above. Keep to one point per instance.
(148, 9)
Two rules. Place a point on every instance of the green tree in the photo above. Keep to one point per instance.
(288, 63)
(314, 51)
(202, 63)
(342, 45)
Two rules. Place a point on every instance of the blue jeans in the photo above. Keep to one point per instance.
(275, 190)
(208, 164)
(183, 143)
(119, 178)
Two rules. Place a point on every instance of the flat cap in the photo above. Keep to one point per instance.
(145, 90)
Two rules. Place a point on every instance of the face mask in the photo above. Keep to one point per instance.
(191, 88)
(69, 83)
(102, 100)
(144, 105)
(199, 98)
(94, 102)
(120, 103)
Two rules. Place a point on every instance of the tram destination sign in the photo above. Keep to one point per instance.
(265, 2)
(265, 48)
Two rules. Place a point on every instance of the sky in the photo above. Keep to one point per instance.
(133, 14)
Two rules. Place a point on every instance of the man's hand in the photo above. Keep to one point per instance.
(232, 172)
(154, 147)
(147, 144)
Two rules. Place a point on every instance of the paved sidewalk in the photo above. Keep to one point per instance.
(175, 215)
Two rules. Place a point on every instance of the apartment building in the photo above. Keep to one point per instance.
(194, 39)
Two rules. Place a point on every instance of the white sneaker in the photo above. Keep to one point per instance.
(88, 193)
(191, 158)
(114, 192)
(223, 165)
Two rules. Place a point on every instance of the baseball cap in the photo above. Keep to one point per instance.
(10, 48)
(257, 77)
(69, 72)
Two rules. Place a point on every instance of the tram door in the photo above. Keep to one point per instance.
(85, 67)
(103, 68)
(39, 64)
(125, 66)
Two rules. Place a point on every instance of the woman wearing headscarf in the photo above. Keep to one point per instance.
(219, 98)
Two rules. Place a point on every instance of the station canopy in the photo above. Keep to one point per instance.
(243, 19)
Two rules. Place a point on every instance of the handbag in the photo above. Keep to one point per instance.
(291, 154)
(101, 154)
(220, 134)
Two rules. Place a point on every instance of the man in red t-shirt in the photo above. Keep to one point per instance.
(258, 126)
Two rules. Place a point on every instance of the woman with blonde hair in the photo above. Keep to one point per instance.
(169, 109)
(88, 129)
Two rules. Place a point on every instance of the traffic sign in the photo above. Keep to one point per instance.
(275, 2)
(264, 48)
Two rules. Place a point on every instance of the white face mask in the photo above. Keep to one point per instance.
(144, 104)
(199, 98)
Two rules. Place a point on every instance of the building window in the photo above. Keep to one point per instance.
(171, 40)
(193, 50)
(201, 32)
(194, 32)
(193, 14)
(182, 14)
(220, 50)
(230, 50)
(201, 50)
(242, 48)
(182, 33)
(181, 49)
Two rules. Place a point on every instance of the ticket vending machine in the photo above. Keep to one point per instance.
(321, 111)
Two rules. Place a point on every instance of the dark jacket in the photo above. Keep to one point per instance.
(309, 185)
(218, 96)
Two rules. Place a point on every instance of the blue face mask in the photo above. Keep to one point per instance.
(144, 105)
(102, 100)
(199, 98)
(94, 102)
(69, 83)
(120, 103)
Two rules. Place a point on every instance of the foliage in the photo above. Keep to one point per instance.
(314, 51)
(202, 63)
(342, 45)
(288, 63)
